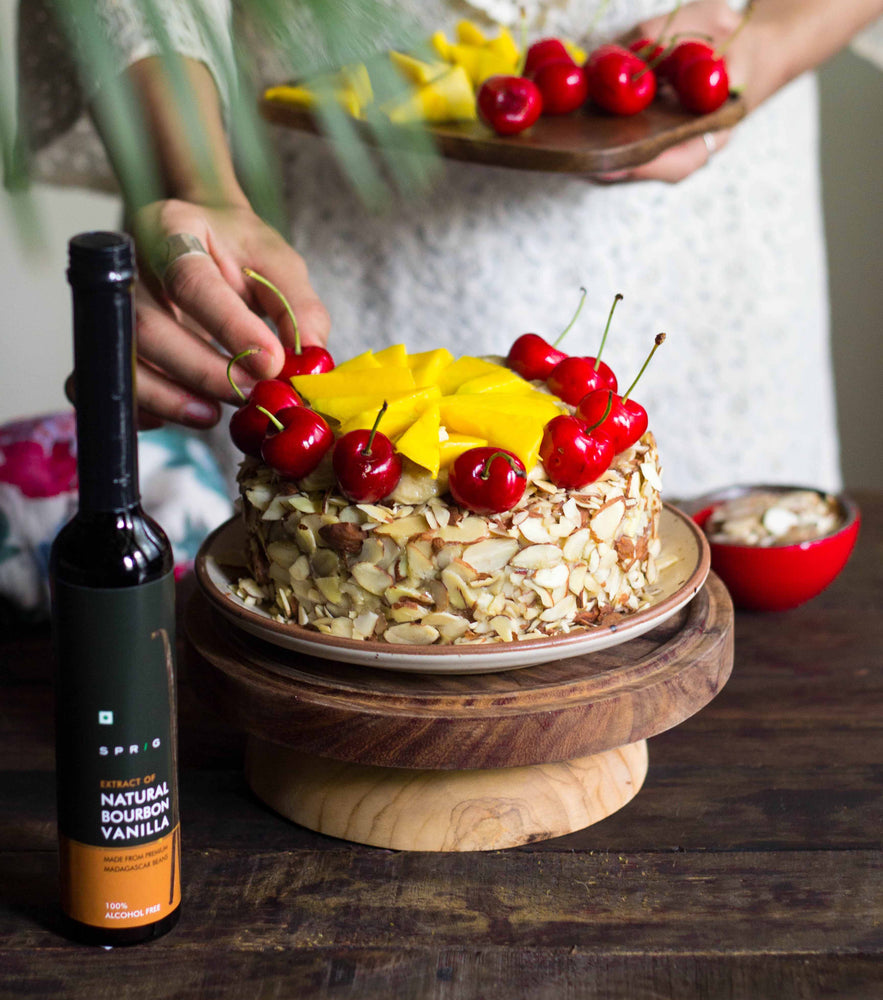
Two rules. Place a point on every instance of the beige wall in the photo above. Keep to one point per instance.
(35, 312)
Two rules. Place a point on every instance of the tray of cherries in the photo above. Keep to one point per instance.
(563, 110)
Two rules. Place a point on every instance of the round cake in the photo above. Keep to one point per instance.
(419, 568)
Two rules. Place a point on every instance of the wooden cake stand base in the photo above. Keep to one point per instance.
(458, 762)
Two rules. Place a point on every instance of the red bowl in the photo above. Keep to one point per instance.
(778, 577)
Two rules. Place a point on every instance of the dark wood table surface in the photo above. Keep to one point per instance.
(748, 866)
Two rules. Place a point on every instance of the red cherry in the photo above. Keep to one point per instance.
(669, 67)
(563, 86)
(571, 457)
(487, 480)
(543, 51)
(621, 418)
(625, 422)
(646, 49)
(532, 357)
(619, 81)
(296, 441)
(248, 425)
(509, 104)
(309, 360)
(312, 360)
(367, 466)
(575, 377)
(702, 84)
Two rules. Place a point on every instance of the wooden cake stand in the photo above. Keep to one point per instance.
(458, 762)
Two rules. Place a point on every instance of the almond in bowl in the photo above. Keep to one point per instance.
(776, 547)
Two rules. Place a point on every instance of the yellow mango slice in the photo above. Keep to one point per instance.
(342, 408)
(400, 413)
(427, 366)
(455, 445)
(447, 98)
(505, 380)
(304, 97)
(361, 362)
(383, 382)
(462, 370)
(415, 70)
(479, 62)
(395, 356)
(505, 46)
(420, 442)
(469, 33)
(439, 42)
(577, 54)
(520, 433)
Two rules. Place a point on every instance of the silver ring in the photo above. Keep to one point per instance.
(710, 143)
(175, 247)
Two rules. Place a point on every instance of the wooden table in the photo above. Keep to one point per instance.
(749, 865)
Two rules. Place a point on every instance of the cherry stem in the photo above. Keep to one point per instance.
(660, 338)
(265, 281)
(616, 298)
(596, 18)
(274, 420)
(485, 473)
(231, 362)
(522, 24)
(604, 415)
(366, 451)
(746, 14)
(666, 24)
(566, 330)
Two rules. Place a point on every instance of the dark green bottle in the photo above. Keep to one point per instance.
(113, 604)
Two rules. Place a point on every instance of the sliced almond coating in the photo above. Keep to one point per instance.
(364, 625)
(537, 557)
(411, 633)
(565, 608)
(372, 578)
(554, 576)
(342, 627)
(329, 588)
(606, 521)
(450, 627)
(573, 547)
(503, 627)
(490, 555)
(404, 527)
(536, 530)
(420, 565)
(406, 611)
(467, 530)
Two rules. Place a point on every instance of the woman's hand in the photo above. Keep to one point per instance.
(202, 310)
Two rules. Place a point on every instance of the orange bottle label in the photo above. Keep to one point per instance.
(121, 886)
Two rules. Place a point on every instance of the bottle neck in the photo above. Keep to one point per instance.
(107, 444)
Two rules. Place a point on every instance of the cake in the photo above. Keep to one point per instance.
(417, 568)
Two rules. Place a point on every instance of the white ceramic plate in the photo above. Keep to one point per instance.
(684, 563)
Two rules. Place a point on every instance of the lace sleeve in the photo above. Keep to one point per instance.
(54, 90)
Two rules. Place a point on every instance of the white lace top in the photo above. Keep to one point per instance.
(729, 263)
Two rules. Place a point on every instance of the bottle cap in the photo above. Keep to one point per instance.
(101, 258)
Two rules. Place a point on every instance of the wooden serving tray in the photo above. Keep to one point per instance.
(475, 762)
(588, 141)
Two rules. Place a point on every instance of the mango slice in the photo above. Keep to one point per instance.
(400, 413)
(417, 71)
(395, 356)
(447, 98)
(505, 45)
(420, 441)
(505, 380)
(304, 97)
(361, 362)
(427, 366)
(520, 433)
(383, 382)
(469, 33)
(342, 408)
(464, 369)
(454, 445)
(480, 62)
